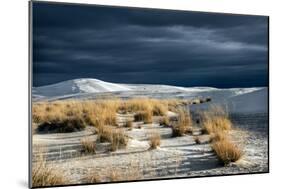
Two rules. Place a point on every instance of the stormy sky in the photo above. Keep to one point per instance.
(131, 45)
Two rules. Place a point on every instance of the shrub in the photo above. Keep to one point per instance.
(154, 140)
(88, 145)
(226, 151)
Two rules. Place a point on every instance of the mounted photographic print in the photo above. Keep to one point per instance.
(122, 94)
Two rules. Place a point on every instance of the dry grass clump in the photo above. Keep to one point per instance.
(165, 120)
(44, 174)
(69, 124)
(183, 125)
(154, 140)
(91, 112)
(137, 104)
(160, 108)
(151, 106)
(129, 125)
(88, 146)
(117, 138)
(226, 151)
(197, 140)
(218, 136)
(216, 120)
(144, 116)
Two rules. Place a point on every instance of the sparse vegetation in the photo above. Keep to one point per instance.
(154, 140)
(88, 145)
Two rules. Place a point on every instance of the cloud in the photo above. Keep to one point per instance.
(148, 46)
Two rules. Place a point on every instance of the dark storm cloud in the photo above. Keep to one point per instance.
(148, 46)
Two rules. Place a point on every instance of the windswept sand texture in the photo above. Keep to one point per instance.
(176, 157)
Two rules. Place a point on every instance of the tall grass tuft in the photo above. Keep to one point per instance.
(216, 120)
(144, 116)
(88, 146)
(116, 138)
(183, 125)
(226, 151)
(154, 140)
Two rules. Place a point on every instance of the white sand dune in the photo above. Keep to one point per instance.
(78, 86)
(237, 99)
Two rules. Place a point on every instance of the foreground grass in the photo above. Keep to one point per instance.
(217, 124)
(226, 151)
(44, 174)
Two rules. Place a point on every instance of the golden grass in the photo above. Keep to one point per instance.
(144, 116)
(88, 145)
(69, 124)
(165, 120)
(129, 124)
(154, 140)
(183, 125)
(226, 151)
(92, 112)
(218, 136)
(217, 124)
(216, 120)
(44, 174)
(117, 138)
(73, 115)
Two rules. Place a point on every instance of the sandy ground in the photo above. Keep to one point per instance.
(176, 156)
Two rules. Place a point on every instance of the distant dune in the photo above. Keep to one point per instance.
(237, 99)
